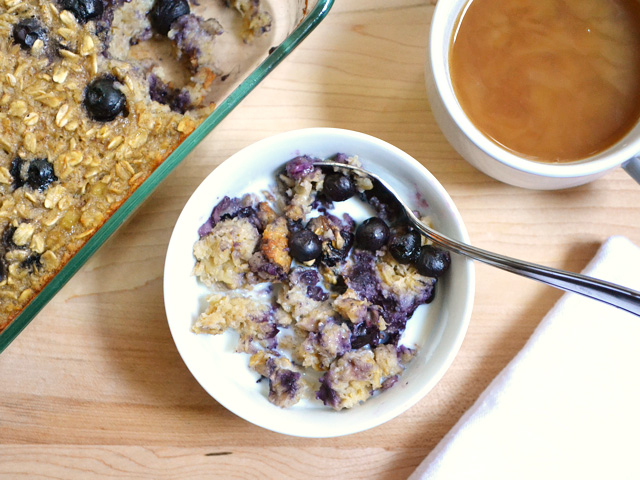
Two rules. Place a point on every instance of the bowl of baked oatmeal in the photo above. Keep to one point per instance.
(299, 297)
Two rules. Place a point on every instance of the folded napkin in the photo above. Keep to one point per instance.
(568, 405)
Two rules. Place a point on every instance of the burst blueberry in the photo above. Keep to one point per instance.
(3, 269)
(332, 255)
(27, 31)
(40, 174)
(7, 243)
(37, 174)
(16, 172)
(84, 10)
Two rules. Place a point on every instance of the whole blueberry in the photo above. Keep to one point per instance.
(40, 174)
(83, 10)
(27, 31)
(372, 234)
(165, 12)
(432, 261)
(103, 100)
(404, 247)
(304, 245)
(338, 187)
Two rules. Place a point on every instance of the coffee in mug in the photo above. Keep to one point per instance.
(549, 80)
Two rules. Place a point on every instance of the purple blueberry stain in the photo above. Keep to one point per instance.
(178, 100)
(226, 209)
(300, 167)
(326, 394)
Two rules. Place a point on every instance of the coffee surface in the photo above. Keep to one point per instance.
(551, 80)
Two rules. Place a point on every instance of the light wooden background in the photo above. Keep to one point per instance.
(94, 386)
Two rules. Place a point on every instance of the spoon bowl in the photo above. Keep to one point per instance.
(607, 292)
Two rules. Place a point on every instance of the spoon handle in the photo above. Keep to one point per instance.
(607, 292)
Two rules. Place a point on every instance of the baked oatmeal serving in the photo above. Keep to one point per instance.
(319, 300)
(85, 117)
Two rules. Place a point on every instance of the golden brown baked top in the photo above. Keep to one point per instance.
(83, 124)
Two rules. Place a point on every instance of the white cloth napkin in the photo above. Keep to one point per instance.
(568, 405)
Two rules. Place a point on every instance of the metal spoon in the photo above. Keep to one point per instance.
(616, 295)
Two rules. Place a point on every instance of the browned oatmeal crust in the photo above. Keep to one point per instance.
(62, 171)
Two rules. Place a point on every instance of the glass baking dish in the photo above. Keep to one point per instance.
(293, 20)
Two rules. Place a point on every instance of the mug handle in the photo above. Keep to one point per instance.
(632, 167)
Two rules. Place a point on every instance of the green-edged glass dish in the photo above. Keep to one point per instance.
(296, 19)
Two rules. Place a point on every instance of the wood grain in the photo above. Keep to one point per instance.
(94, 387)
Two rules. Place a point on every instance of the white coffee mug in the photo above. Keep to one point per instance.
(488, 156)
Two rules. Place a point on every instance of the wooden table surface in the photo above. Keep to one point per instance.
(94, 387)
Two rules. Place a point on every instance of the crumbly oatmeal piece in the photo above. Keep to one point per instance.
(222, 256)
(319, 350)
(402, 280)
(302, 181)
(272, 262)
(252, 319)
(229, 208)
(354, 377)
(255, 21)
(286, 386)
(358, 310)
(266, 214)
(275, 241)
(130, 25)
(306, 302)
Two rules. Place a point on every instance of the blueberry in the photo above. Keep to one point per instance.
(338, 187)
(27, 31)
(37, 174)
(103, 100)
(40, 174)
(165, 12)
(16, 172)
(294, 225)
(317, 293)
(404, 247)
(304, 245)
(7, 238)
(3, 269)
(365, 335)
(372, 234)
(32, 262)
(331, 256)
(84, 10)
(432, 261)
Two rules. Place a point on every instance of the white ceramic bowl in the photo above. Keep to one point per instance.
(437, 329)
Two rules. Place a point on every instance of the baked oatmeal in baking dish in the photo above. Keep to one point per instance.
(319, 300)
(86, 116)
